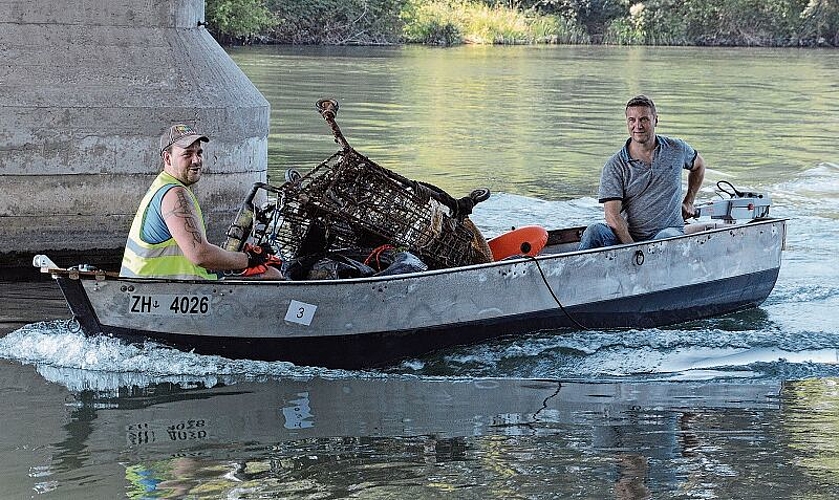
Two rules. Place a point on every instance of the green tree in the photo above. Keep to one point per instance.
(743, 22)
(714, 22)
(338, 22)
(821, 21)
(652, 22)
(594, 15)
(238, 20)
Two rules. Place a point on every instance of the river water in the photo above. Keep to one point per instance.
(743, 406)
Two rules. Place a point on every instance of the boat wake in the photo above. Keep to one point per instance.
(793, 335)
(656, 354)
(104, 364)
(820, 184)
(64, 355)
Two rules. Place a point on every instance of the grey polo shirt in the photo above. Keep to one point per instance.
(651, 194)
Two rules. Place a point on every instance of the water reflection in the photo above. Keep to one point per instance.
(407, 436)
(813, 427)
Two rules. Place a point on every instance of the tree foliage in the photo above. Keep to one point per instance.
(671, 22)
(448, 22)
(743, 22)
(238, 20)
(338, 22)
(821, 21)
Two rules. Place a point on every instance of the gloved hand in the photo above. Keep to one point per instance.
(259, 254)
(259, 258)
(254, 271)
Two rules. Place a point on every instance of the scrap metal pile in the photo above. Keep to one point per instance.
(348, 204)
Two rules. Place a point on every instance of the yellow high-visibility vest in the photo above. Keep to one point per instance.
(160, 260)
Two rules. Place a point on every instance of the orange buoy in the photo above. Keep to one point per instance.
(526, 240)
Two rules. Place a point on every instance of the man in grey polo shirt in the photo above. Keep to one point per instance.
(641, 185)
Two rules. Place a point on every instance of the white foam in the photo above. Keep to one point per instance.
(67, 356)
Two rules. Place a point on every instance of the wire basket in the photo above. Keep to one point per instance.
(348, 202)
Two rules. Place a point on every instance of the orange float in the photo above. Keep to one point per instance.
(526, 240)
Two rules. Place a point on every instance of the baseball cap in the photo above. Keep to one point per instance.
(181, 135)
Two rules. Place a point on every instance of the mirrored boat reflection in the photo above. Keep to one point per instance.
(301, 436)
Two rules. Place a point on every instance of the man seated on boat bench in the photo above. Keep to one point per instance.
(168, 238)
(641, 185)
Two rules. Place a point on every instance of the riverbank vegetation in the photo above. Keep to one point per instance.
(782, 23)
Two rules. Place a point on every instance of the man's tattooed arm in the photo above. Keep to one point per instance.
(187, 228)
(188, 218)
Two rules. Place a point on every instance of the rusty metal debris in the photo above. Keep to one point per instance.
(349, 202)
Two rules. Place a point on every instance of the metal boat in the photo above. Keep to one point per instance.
(470, 293)
(714, 269)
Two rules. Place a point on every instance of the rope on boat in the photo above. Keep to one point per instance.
(556, 299)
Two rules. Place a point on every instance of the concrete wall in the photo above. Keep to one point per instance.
(86, 89)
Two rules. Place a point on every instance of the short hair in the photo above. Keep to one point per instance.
(641, 100)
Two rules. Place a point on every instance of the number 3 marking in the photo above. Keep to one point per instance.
(300, 313)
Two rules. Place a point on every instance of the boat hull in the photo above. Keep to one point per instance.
(374, 321)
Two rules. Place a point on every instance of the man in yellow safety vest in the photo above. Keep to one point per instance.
(168, 236)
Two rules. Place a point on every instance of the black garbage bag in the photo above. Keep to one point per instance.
(337, 266)
(404, 262)
(347, 264)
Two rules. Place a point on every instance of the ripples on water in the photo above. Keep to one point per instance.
(794, 333)
(741, 406)
(690, 411)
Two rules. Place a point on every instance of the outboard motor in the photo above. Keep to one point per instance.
(739, 205)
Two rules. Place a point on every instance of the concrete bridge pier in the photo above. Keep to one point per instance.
(86, 89)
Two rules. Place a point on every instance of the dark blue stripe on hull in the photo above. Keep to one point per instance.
(369, 350)
(679, 305)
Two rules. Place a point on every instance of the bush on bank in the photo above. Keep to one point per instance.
(238, 20)
(336, 22)
(727, 22)
(442, 22)
(448, 22)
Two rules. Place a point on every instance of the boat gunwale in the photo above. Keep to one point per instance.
(545, 257)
